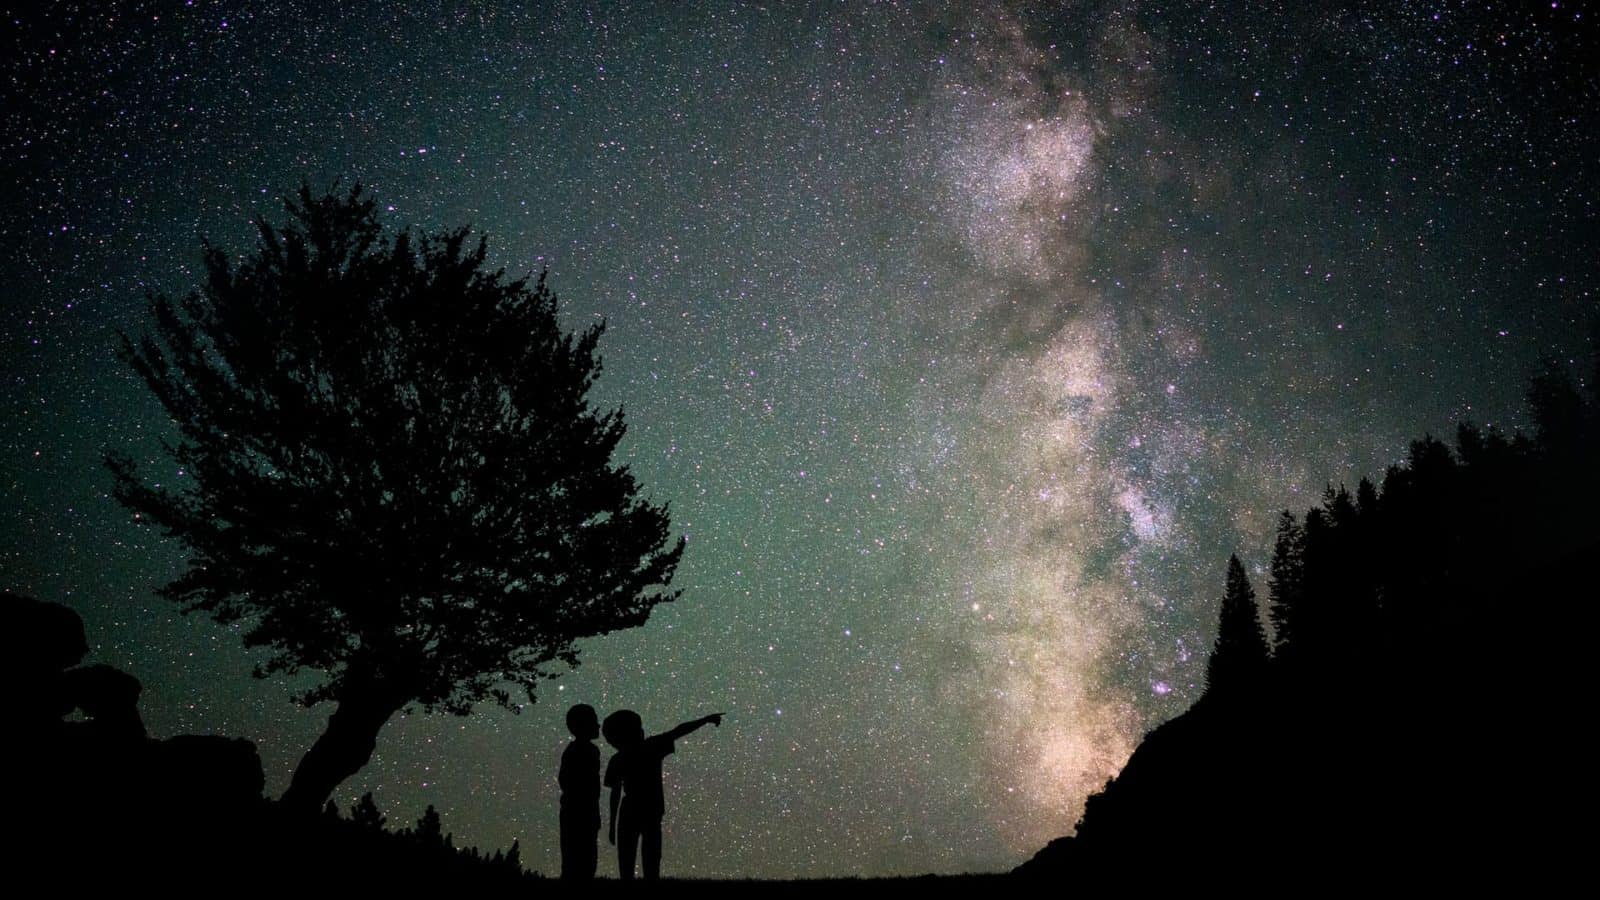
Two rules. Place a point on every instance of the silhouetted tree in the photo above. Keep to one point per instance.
(1286, 585)
(1340, 505)
(1238, 660)
(429, 830)
(1471, 444)
(365, 813)
(1557, 407)
(1323, 561)
(513, 860)
(389, 470)
(1366, 500)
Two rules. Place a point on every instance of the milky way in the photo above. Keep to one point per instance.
(965, 343)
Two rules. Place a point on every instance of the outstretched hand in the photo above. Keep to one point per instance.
(715, 719)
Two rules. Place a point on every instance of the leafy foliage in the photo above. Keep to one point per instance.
(388, 465)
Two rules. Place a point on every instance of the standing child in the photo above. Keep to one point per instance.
(634, 776)
(580, 796)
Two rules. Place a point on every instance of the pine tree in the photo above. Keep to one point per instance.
(1238, 661)
(365, 813)
(514, 857)
(1366, 500)
(429, 829)
(1557, 407)
(1286, 585)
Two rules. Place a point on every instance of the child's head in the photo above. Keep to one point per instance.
(583, 722)
(623, 729)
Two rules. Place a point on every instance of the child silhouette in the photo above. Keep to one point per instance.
(634, 776)
(580, 796)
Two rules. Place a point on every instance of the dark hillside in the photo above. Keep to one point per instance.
(1418, 712)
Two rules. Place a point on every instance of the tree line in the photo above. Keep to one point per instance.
(1373, 589)
(1412, 709)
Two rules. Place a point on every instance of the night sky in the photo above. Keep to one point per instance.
(965, 344)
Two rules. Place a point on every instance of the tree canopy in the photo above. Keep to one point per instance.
(389, 469)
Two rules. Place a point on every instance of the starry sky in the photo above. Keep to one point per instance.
(965, 340)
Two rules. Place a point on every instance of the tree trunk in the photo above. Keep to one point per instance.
(341, 751)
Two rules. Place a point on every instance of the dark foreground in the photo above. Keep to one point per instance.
(96, 804)
(925, 885)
